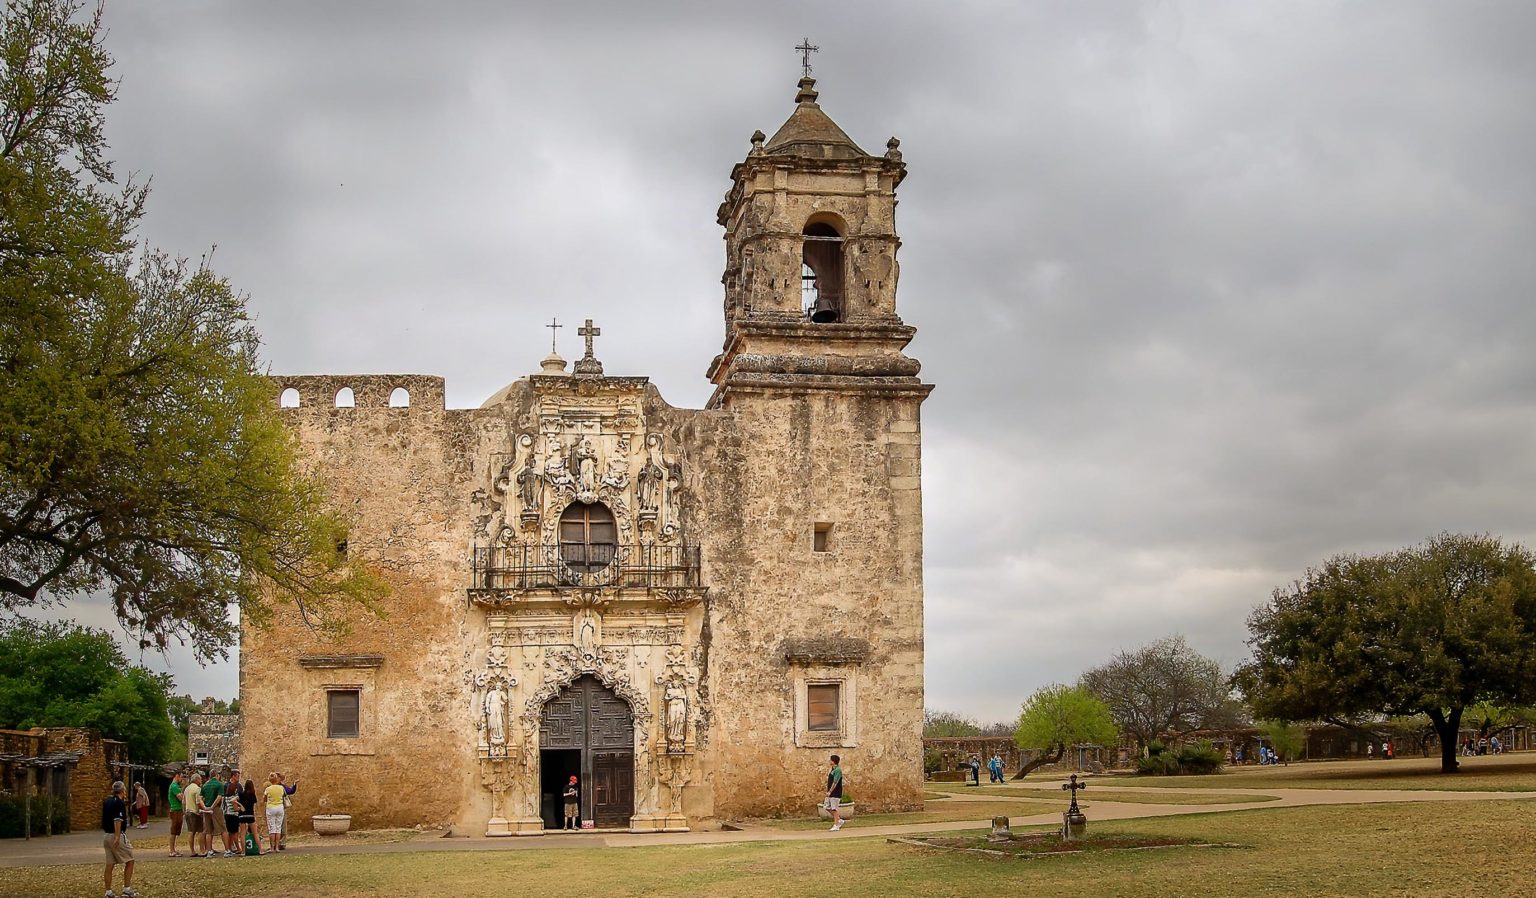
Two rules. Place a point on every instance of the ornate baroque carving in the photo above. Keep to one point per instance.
(563, 664)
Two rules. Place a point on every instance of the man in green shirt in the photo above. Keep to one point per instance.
(173, 796)
(835, 792)
(213, 810)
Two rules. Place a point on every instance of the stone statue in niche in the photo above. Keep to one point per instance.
(496, 716)
(652, 476)
(530, 483)
(676, 699)
(584, 460)
(586, 633)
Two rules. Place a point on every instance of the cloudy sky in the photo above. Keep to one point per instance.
(1210, 290)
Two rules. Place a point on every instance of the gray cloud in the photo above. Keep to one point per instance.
(1209, 290)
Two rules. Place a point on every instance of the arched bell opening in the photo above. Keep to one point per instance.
(821, 272)
(587, 731)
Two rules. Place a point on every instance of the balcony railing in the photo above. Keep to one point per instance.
(574, 566)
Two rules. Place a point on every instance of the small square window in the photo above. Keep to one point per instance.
(822, 701)
(821, 538)
(201, 757)
(341, 713)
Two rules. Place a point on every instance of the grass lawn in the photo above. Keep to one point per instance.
(1501, 773)
(1428, 849)
(933, 812)
(1139, 796)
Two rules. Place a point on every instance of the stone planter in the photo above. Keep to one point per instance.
(331, 824)
(844, 810)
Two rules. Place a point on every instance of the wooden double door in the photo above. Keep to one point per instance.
(588, 732)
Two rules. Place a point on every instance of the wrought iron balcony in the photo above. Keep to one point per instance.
(578, 566)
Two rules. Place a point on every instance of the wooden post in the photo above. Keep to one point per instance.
(27, 802)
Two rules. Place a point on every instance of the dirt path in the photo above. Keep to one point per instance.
(85, 848)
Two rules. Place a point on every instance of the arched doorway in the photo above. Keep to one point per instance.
(587, 731)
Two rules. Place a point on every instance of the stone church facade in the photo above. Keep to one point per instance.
(687, 609)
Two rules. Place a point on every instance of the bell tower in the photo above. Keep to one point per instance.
(810, 245)
(817, 477)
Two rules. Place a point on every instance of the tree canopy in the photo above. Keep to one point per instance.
(942, 724)
(1432, 629)
(1164, 687)
(58, 675)
(1056, 717)
(141, 453)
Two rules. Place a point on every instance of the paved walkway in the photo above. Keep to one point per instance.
(85, 848)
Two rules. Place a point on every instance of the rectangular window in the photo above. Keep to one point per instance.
(821, 706)
(821, 538)
(341, 713)
(201, 757)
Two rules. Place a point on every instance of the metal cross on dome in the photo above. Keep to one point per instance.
(553, 323)
(806, 49)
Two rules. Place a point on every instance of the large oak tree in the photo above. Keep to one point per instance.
(141, 455)
(1432, 629)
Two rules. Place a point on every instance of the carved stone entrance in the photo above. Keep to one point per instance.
(588, 720)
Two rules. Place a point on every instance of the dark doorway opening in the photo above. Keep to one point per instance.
(589, 723)
(556, 767)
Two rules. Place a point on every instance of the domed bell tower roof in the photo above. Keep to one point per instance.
(809, 132)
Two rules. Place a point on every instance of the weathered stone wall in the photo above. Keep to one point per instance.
(397, 474)
(90, 780)
(216, 734)
(796, 460)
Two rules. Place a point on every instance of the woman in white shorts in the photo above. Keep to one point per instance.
(272, 797)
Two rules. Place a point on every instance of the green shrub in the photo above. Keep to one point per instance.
(1200, 758)
(1161, 764)
(13, 815)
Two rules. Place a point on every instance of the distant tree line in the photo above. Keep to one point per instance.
(1425, 641)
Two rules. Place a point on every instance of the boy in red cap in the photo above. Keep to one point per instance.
(572, 805)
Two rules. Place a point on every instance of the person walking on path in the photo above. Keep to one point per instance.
(572, 798)
(273, 797)
(141, 805)
(835, 792)
(173, 804)
(114, 824)
(995, 769)
(975, 771)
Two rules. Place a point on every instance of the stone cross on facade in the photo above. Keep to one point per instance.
(588, 331)
(588, 364)
(806, 49)
(553, 323)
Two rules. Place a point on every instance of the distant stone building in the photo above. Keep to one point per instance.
(213, 741)
(687, 609)
(79, 767)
